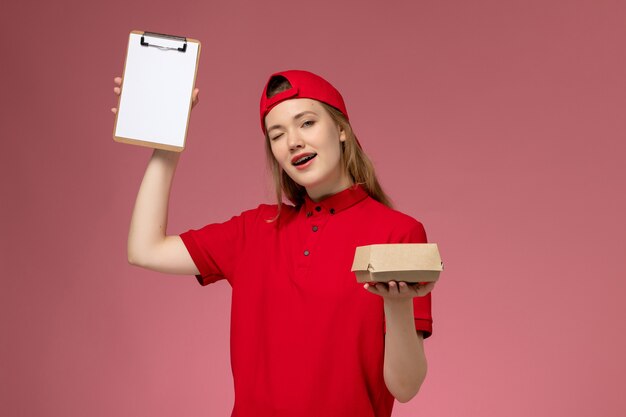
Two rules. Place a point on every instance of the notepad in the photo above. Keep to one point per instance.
(156, 92)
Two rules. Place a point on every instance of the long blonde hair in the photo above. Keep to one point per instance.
(353, 160)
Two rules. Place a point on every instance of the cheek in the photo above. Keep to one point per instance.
(278, 156)
(334, 149)
(331, 143)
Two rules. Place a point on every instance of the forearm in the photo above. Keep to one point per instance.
(405, 362)
(149, 219)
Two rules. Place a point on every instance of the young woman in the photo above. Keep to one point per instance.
(306, 338)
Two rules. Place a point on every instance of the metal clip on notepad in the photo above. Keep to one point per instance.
(167, 37)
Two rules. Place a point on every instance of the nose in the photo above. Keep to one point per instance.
(295, 140)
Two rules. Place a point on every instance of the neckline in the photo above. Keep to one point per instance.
(338, 201)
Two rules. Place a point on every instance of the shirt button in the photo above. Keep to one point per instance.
(306, 253)
(315, 228)
(318, 208)
(309, 213)
(332, 211)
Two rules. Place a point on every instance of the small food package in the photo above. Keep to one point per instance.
(408, 262)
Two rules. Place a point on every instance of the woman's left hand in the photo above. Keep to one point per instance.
(399, 290)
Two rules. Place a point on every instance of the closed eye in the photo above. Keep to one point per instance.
(276, 137)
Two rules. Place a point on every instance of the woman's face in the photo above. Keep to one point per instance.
(301, 128)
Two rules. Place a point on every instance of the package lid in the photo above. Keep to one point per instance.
(397, 257)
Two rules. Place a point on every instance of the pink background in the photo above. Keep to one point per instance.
(500, 125)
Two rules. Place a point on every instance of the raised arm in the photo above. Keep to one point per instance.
(148, 244)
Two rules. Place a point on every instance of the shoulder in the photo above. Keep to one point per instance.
(401, 225)
(266, 213)
(390, 215)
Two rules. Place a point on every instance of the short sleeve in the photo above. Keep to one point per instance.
(216, 248)
(422, 312)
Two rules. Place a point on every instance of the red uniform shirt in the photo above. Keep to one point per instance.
(306, 338)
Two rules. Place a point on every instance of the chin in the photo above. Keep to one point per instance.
(303, 179)
(305, 184)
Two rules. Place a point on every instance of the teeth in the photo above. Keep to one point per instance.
(304, 159)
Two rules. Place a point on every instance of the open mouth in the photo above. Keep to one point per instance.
(304, 159)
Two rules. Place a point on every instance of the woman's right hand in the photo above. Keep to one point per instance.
(117, 90)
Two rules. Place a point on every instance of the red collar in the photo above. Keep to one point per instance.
(336, 202)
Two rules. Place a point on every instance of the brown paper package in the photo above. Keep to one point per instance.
(409, 262)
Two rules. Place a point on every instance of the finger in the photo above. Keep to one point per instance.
(428, 287)
(114, 110)
(371, 287)
(403, 288)
(381, 288)
(117, 80)
(393, 287)
(116, 90)
(195, 98)
(415, 288)
(425, 289)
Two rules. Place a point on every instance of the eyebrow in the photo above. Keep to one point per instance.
(297, 116)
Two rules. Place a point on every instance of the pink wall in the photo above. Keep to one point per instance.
(500, 125)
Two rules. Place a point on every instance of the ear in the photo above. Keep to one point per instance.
(342, 134)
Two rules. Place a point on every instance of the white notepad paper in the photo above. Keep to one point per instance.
(157, 86)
